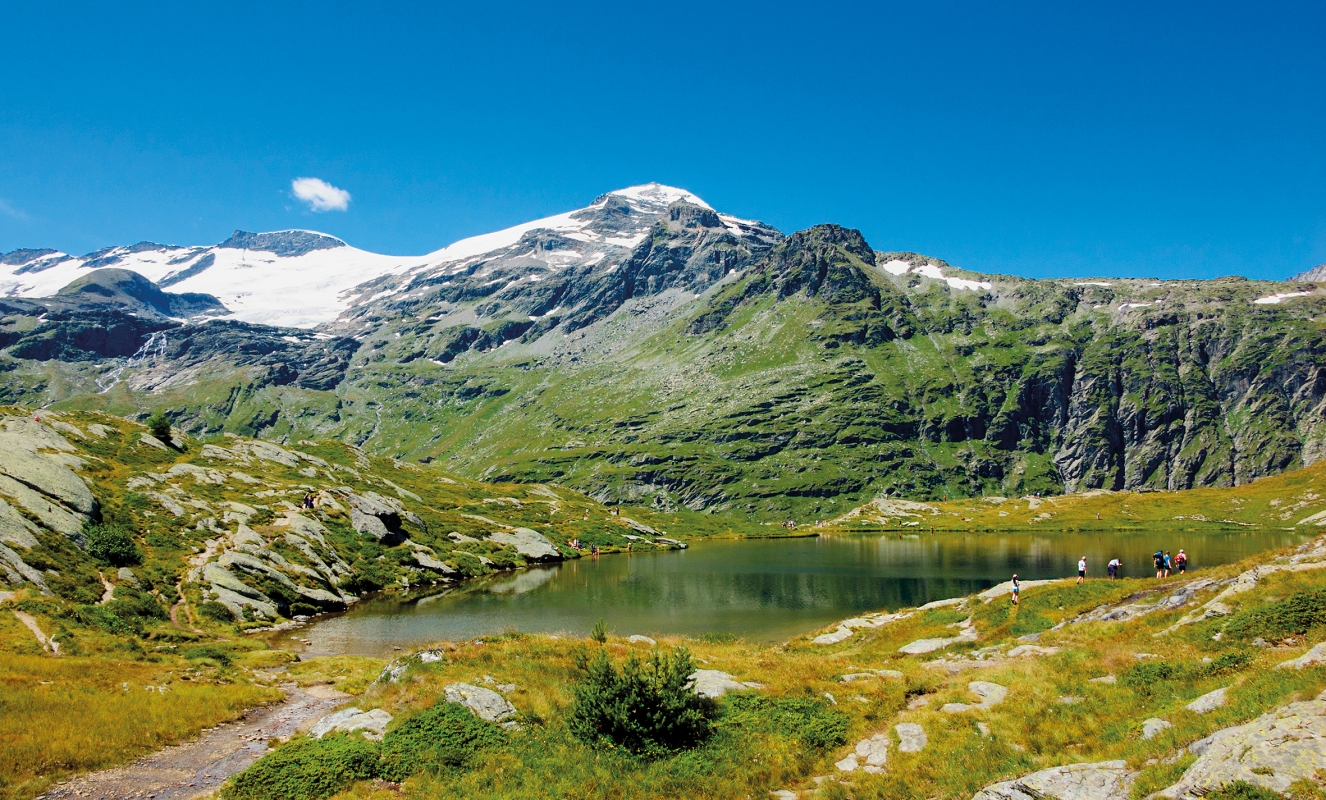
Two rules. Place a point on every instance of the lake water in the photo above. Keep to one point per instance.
(762, 590)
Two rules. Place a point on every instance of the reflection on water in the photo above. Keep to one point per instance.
(765, 590)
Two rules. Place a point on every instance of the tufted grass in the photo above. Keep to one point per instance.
(64, 715)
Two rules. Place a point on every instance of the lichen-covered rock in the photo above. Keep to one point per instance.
(1272, 751)
(1208, 702)
(372, 724)
(911, 736)
(1105, 780)
(991, 694)
(1153, 727)
(870, 755)
(485, 703)
(21, 460)
(15, 529)
(1312, 658)
(716, 683)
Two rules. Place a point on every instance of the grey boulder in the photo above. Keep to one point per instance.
(372, 724)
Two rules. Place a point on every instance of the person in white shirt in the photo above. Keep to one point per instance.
(1081, 570)
(1113, 568)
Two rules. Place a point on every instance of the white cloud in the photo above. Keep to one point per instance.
(320, 195)
(9, 209)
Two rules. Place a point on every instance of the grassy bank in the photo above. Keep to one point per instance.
(1288, 500)
(790, 732)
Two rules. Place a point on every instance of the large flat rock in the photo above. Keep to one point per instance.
(528, 542)
(1272, 751)
(1104, 780)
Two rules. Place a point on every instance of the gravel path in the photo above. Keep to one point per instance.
(199, 767)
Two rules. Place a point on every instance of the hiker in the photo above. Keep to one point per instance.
(1017, 587)
(1113, 568)
(1081, 570)
(1169, 564)
(1159, 559)
(1182, 561)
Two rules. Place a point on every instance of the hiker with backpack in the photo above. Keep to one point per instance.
(1159, 559)
(1181, 561)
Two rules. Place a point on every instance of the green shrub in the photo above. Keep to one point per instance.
(159, 426)
(812, 722)
(112, 544)
(1242, 790)
(1293, 616)
(1144, 677)
(442, 738)
(306, 769)
(215, 611)
(102, 617)
(645, 707)
(599, 632)
(1228, 662)
(211, 651)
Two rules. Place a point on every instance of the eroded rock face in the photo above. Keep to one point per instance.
(1105, 780)
(23, 443)
(1272, 751)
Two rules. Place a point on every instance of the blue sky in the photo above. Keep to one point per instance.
(1147, 139)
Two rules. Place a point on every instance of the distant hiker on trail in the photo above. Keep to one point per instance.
(1159, 559)
(1113, 568)
(1081, 570)
(1017, 587)
(1181, 560)
(1169, 564)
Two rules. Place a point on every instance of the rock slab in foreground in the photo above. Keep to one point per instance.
(1273, 751)
(1105, 780)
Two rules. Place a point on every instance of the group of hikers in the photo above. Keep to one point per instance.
(1164, 563)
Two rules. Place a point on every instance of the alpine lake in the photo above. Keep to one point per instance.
(766, 590)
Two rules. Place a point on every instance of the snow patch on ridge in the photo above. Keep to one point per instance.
(1276, 299)
(932, 271)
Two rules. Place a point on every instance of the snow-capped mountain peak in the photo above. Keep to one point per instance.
(300, 278)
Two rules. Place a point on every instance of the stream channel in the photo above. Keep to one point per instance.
(761, 590)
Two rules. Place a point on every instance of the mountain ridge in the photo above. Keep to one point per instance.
(650, 349)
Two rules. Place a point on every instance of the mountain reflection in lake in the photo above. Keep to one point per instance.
(762, 590)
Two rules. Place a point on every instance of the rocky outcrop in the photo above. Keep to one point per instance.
(1105, 780)
(1272, 751)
